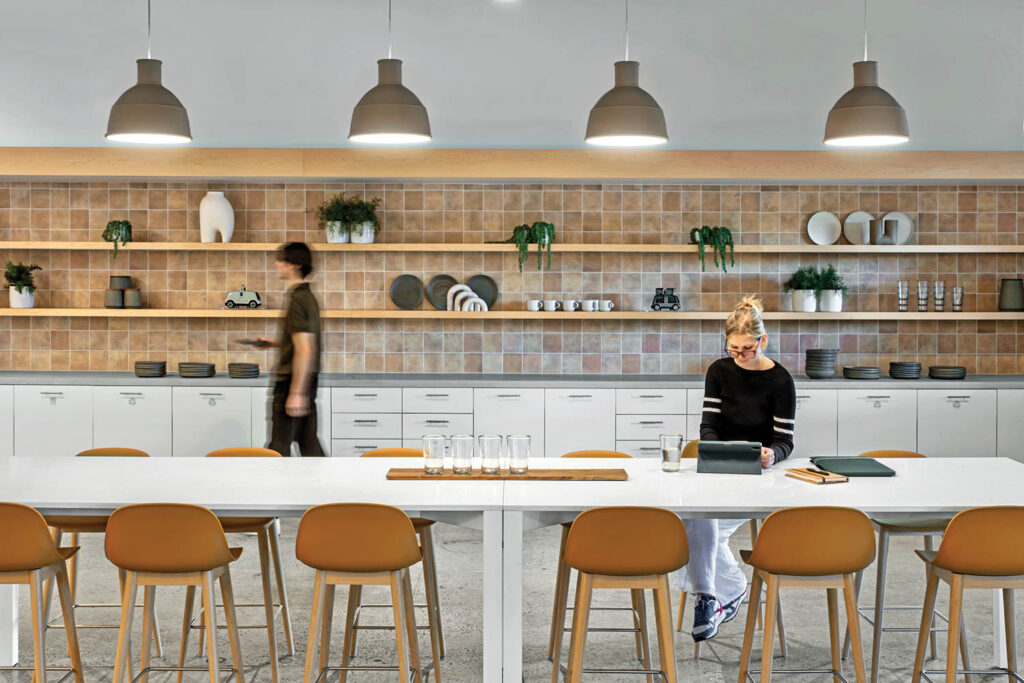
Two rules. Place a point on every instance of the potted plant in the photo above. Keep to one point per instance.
(345, 218)
(719, 238)
(22, 285)
(117, 231)
(830, 289)
(801, 284)
(540, 233)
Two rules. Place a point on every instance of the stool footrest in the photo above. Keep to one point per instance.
(67, 670)
(973, 672)
(327, 669)
(800, 672)
(194, 669)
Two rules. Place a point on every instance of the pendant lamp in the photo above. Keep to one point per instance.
(147, 112)
(389, 113)
(626, 115)
(866, 115)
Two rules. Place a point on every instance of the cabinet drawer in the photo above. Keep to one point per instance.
(1009, 425)
(366, 399)
(956, 423)
(816, 430)
(882, 419)
(650, 401)
(648, 427)
(694, 401)
(52, 420)
(354, 448)
(366, 425)
(639, 449)
(416, 425)
(209, 418)
(133, 417)
(440, 400)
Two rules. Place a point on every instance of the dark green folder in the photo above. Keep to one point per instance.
(855, 466)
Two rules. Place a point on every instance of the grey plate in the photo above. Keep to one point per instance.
(484, 287)
(437, 290)
(407, 292)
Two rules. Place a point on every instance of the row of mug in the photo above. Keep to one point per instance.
(551, 305)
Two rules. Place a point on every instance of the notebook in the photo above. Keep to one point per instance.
(853, 466)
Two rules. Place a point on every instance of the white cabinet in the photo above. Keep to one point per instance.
(956, 423)
(417, 425)
(131, 417)
(511, 411)
(650, 401)
(578, 420)
(354, 448)
(817, 428)
(6, 421)
(208, 418)
(692, 427)
(694, 401)
(366, 426)
(880, 419)
(52, 420)
(648, 427)
(262, 402)
(1010, 424)
(639, 449)
(366, 400)
(440, 400)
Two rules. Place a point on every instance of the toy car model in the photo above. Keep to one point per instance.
(665, 299)
(243, 298)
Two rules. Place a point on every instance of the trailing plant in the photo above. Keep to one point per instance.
(719, 238)
(349, 211)
(20, 276)
(540, 233)
(802, 278)
(828, 279)
(117, 231)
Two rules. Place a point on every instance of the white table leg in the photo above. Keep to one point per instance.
(493, 602)
(8, 625)
(998, 632)
(512, 580)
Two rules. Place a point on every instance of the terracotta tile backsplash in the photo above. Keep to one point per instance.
(454, 213)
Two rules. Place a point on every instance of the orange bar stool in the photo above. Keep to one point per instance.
(631, 548)
(28, 556)
(172, 544)
(809, 547)
(424, 529)
(562, 579)
(356, 545)
(267, 530)
(887, 528)
(982, 548)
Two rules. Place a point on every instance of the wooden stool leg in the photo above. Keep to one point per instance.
(231, 621)
(401, 637)
(856, 590)
(430, 584)
(123, 657)
(833, 630)
(956, 596)
(186, 629)
(643, 638)
(682, 610)
(314, 627)
(853, 621)
(927, 611)
(666, 638)
(882, 564)
(964, 655)
(67, 608)
(263, 543)
(37, 596)
(282, 594)
(327, 623)
(580, 620)
(753, 607)
(637, 639)
(780, 626)
(771, 611)
(558, 608)
(933, 637)
(56, 534)
(410, 625)
(146, 643)
(1011, 634)
(354, 595)
(210, 614)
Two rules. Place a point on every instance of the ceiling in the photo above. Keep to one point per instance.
(729, 74)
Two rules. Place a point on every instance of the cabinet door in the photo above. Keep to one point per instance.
(133, 417)
(876, 420)
(578, 420)
(208, 418)
(6, 421)
(262, 402)
(956, 423)
(52, 420)
(817, 429)
(1010, 424)
(511, 411)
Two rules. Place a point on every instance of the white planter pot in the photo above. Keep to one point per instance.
(786, 301)
(336, 233)
(216, 217)
(831, 301)
(24, 299)
(363, 233)
(804, 301)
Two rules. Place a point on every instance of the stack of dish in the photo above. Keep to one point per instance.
(821, 363)
(194, 370)
(904, 370)
(150, 368)
(243, 370)
(857, 372)
(947, 372)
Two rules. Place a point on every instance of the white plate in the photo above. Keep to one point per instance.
(855, 234)
(824, 228)
(906, 225)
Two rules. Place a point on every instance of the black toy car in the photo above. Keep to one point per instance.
(665, 299)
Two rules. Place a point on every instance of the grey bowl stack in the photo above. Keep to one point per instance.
(193, 370)
(904, 370)
(150, 368)
(821, 363)
(243, 370)
(947, 372)
(857, 372)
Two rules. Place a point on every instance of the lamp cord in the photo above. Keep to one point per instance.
(865, 30)
(627, 30)
(149, 29)
(389, 29)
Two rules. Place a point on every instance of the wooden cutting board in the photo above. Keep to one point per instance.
(417, 474)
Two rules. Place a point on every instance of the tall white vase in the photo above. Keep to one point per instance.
(216, 216)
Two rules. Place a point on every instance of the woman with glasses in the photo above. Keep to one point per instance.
(747, 397)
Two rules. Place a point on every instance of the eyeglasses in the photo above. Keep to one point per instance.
(746, 352)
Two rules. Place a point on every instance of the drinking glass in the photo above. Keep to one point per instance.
(490, 453)
(939, 295)
(518, 453)
(922, 295)
(433, 454)
(958, 299)
(903, 295)
(462, 454)
(671, 451)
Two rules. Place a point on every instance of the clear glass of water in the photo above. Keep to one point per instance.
(671, 452)
(462, 454)
(518, 453)
(433, 453)
(490, 453)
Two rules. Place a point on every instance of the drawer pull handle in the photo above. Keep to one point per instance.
(209, 394)
(644, 449)
(365, 448)
(365, 395)
(959, 398)
(651, 396)
(130, 393)
(872, 397)
(436, 395)
(51, 393)
(799, 397)
(437, 422)
(509, 396)
(581, 396)
(651, 422)
(365, 422)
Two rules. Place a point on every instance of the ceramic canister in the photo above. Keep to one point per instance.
(1011, 295)
(114, 298)
(132, 298)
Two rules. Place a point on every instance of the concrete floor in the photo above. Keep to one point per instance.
(458, 558)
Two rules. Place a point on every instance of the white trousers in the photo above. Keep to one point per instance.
(712, 569)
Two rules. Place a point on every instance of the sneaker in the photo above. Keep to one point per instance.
(732, 608)
(707, 616)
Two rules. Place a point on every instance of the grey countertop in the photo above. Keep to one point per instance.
(493, 380)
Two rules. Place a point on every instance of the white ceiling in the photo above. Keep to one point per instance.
(730, 74)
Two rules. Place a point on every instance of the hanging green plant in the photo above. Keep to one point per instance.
(540, 233)
(543, 234)
(117, 231)
(719, 239)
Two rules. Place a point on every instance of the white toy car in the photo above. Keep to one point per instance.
(243, 298)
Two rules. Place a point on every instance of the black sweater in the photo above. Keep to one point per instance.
(749, 405)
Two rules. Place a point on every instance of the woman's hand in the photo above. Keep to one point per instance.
(767, 457)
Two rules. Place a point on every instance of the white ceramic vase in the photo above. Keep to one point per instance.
(804, 301)
(336, 233)
(216, 217)
(831, 301)
(363, 233)
(786, 301)
(23, 299)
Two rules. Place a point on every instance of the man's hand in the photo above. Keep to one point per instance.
(265, 342)
(297, 405)
(767, 457)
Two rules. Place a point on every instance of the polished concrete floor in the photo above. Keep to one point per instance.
(458, 557)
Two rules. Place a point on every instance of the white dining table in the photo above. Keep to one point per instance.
(503, 511)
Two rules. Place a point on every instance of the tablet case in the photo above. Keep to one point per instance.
(853, 466)
(729, 457)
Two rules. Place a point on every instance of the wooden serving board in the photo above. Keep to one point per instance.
(417, 474)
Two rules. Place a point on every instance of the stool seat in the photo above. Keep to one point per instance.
(241, 525)
(78, 524)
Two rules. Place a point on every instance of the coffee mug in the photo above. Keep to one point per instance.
(607, 305)
(590, 305)
(570, 304)
(534, 304)
(552, 305)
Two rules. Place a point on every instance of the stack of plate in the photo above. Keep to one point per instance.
(856, 372)
(243, 370)
(947, 372)
(150, 368)
(904, 370)
(193, 370)
(821, 363)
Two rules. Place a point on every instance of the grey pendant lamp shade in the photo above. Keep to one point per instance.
(389, 113)
(148, 112)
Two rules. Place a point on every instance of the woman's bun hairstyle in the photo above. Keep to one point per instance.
(745, 318)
